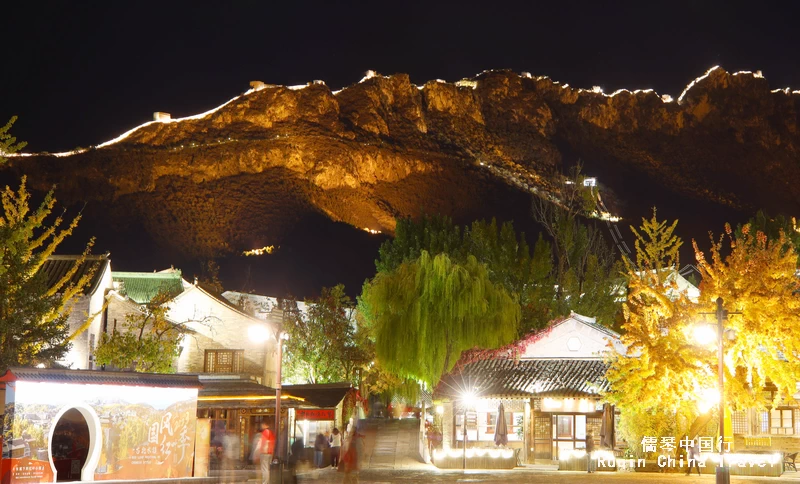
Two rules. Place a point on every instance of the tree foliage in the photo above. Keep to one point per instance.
(585, 269)
(427, 311)
(147, 341)
(8, 143)
(757, 278)
(33, 316)
(544, 290)
(655, 384)
(774, 228)
(322, 346)
(666, 371)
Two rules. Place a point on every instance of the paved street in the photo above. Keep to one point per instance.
(524, 476)
(391, 457)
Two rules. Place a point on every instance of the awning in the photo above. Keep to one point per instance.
(321, 395)
(239, 391)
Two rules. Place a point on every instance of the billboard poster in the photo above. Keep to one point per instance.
(96, 431)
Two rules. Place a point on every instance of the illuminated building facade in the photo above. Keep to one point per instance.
(549, 385)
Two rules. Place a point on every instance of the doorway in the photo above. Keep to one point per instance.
(70, 445)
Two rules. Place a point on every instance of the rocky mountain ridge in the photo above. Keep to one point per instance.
(240, 175)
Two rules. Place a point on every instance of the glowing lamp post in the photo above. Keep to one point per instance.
(260, 334)
(467, 399)
(706, 335)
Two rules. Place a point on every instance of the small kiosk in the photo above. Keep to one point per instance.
(86, 425)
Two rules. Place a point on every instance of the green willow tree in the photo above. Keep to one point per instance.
(33, 314)
(586, 280)
(323, 342)
(505, 255)
(147, 341)
(426, 312)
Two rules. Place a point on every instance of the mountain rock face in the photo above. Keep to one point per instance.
(239, 176)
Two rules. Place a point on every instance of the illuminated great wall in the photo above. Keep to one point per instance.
(385, 147)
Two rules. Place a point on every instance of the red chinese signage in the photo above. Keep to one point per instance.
(305, 414)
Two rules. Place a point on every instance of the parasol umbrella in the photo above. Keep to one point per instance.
(607, 427)
(501, 429)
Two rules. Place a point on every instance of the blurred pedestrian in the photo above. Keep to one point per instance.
(266, 449)
(295, 458)
(320, 444)
(693, 457)
(352, 458)
(336, 446)
(589, 450)
(230, 455)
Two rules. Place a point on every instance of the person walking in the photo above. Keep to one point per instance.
(336, 447)
(230, 455)
(266, 449)
(295, 457)
(693, 458)
(320, 443)
(352, 458)
(590, 464)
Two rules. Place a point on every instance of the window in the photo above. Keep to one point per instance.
(224, 361)
(491, 419)
(481, 426)
(564, 427)
(781, 422)
(739, 422)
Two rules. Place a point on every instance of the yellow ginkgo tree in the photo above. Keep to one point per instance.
(668, 379)
(657, 384)
(757, 279)
(33, 314)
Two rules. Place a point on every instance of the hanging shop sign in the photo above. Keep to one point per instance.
(315, 414)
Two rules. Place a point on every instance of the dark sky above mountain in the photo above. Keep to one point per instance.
(80, 73)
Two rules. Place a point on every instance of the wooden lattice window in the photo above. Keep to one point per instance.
(782, 421)
(739, 420)
(224, 361)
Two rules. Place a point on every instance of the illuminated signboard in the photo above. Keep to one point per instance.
(96, 432)
(315, 414)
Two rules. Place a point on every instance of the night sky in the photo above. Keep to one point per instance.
(80, 73)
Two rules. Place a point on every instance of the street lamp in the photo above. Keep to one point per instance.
(467, 399)
(260, 334)
(723, 475)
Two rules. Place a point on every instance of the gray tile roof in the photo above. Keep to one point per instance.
(231, 387)
(57, 266)
(528, 378)
(99, 377)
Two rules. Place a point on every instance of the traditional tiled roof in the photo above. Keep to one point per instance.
(528, 378)
(57, 266)
(232, 386)
(98, 377)
(142, 287)
(240, 391)
(324, 395)
(591, 322)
